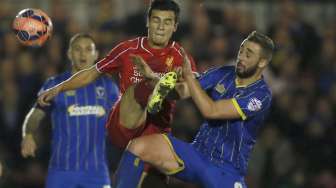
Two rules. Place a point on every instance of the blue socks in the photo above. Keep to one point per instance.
(129, 172)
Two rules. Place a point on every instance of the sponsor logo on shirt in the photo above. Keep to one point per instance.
(137, 76)
(70, 93)
(254, 104)
(75, 110)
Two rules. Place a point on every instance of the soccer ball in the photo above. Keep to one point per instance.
(32, 27)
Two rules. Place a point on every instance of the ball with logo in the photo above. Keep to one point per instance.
(32, 27)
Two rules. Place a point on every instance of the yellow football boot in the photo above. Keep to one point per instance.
(161, 90)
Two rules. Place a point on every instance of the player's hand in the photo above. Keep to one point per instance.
(186, 68)
(182, 89)
(45, 97)
(143, 67)
(28, 146)
(178, 71)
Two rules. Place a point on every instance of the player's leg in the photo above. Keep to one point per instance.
(175, 157)
(132, 110)
(169, 157)
(156, 150)
(139, 97)
(122, 127)
(129, 114)
(172, 157)
(131, 167)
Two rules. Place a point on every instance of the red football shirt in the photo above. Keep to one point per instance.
(160, 61)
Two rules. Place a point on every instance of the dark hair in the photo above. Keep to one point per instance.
(265, 43)
(79, 36)
(168, 5)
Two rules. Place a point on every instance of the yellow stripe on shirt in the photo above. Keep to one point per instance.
(239, 110)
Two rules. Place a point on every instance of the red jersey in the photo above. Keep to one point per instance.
(160, 61)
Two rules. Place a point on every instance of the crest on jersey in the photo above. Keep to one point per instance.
(220, 88)
(100, 92)
(169, 62)
(254, 104)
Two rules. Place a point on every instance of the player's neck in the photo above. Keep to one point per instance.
(155, 46)
(242, 82)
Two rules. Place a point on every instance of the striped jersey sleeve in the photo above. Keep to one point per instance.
(251, 104)
(210, 78)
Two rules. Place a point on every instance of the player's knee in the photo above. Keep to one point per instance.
(137, 146)
(141, 148)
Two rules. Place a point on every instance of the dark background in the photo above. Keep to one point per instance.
(296, 146)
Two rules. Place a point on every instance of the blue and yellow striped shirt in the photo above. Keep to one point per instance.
(78, 124)
(229, 142)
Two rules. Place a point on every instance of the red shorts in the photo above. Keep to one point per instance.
(120, 136)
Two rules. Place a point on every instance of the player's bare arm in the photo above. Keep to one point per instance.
(30, 124)
(221, 109)
(80, 79)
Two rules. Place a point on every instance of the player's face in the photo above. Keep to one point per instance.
(248, 59)
(82, 54)
(161, 26)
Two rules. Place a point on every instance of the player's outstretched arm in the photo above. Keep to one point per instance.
(78, 80)
(210, 109)
(30, 124)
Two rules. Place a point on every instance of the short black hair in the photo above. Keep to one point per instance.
(79, 36)
(168, 5)
(265, 43)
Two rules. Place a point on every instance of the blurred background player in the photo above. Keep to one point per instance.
(129, 118)
(234, 101)
(78, 157)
